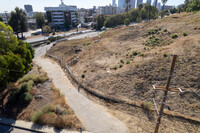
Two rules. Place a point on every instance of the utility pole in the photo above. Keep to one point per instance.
(165, 94)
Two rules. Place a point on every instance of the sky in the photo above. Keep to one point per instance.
(38, 5)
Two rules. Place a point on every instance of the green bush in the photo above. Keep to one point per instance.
(135, 53)
(115, 67)
(165, 30)
(48, 42)
(52, 39)
(141, 54)
(24, 88)
(83, 76)
(122, 61)
(26, 98)
(127, 22)
(127, 62)
(184, 34)
(164, 55)
(36, 116)
(120, 66)
(147, 105)
(174, 36)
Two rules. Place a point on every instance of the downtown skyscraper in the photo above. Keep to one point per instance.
(149, 2)
(155, 3)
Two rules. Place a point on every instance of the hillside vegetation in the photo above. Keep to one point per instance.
(127, 61)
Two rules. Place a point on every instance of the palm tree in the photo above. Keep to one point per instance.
(127, 6)
(164, 2)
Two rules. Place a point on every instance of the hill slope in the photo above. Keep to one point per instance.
(148, 48)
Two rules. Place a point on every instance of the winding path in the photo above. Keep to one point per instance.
(94, 117)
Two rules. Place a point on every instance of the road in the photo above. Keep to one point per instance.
(62, 35)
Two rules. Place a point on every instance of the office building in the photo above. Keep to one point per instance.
(155, 2)
(159, 7)
(59, 15)
(114, 3)
(108, 10)
(132, 3)
(139, 2)
(122, 3)
(28, 8)
(149, 2)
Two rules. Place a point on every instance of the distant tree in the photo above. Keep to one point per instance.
(193, 5)
(46, 29)
(40, 20)
(140, 6)
(18, 21)
(148, 8)
(127, 22)
(164, 2)
(1, 19)
(173, 10)
(100, 21)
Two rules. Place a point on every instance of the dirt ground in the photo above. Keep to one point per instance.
(99, 59)
(44, 94)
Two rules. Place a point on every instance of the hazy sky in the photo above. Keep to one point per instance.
(38, 5)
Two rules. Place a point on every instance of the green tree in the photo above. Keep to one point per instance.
(148, 8)
(18, 21)
(15, 56)
(40, 20)
(1, 19)
(46, 29)
(77, 21)
(100, 21)
(193, 5)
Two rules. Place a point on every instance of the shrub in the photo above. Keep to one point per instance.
(74, 45)
(141, 54)
(39, 78)
(195, 28)
(147, 105)
(36, 116)
(53, 33)
(83, 76)
(165, 30)
(127, 22)
(127, 62)
(174, 36)
(26, 98)
(164, 55)
(52, 39)
(120, 66)
(184, 34)
(48, 42)
(122, 61)
(24, 88)
(115, 67)
(135, 53)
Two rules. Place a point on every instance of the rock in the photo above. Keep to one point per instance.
(38, 96)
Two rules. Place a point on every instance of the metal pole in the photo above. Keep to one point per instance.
(165, 94)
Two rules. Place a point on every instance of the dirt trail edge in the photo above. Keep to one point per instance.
(94, 117)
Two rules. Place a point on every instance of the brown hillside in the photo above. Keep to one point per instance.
(98, 58)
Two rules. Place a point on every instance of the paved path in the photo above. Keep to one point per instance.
(94, 117)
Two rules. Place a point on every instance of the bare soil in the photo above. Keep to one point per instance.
(97, 57)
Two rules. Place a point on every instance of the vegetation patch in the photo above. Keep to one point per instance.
(174, 36)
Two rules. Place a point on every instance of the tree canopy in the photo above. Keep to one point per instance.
(15, 56)
(18, 21)
(40, 19)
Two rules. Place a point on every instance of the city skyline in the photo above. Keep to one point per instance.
(39, 5)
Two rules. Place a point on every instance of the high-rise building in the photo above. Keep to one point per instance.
(122, 3)
(155, 2)
(159, 6)
(139, 2)
(149, 2)
(28, 8)
(132, 3)
(114, 3)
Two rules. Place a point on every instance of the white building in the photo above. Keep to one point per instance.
(59, 15)
(108, 10)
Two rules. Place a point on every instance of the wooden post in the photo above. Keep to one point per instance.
(165, 94)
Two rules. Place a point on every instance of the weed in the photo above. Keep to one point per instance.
(127, 62)
(147, 106)
(194, 28)
(164, 55)
(165, 30)
(74, 45)
(141, 54)
(120, 66)
(88, 43)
